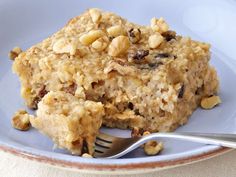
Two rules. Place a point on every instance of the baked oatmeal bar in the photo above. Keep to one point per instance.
(72, 123)
(145, 76)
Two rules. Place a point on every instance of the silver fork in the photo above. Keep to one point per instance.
(108, 146)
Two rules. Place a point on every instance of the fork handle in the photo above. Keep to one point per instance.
(226, 140)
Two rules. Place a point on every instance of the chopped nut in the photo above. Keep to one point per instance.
(64, 46)
(134, 35)
(155, 40)
(115, 31)
(146, 133)
(153, 147)
(91, 36)
(100, 44)
(20, 120)
(14, 53)
(79, 92)
(95, 15)
(210, 102)
(139, 54)
(159, 25)
(137, 132)
(118, 46)
(169, 35)
(86, 155)
(17, 50)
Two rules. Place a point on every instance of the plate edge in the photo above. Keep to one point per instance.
(106, 168)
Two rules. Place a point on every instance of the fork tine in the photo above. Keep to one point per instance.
(104, 140)
(105, 137)
(102, 144)
(108, 145)
(97, 153)
(100, 149)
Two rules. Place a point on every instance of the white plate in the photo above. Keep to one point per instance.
(23, 23)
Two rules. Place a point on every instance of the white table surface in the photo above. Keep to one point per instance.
(220, 166)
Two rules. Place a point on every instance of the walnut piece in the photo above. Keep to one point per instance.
(100, 44)
(95, 15)
(118, 46)
(14, 53)
(137, 132)
(86, 155)
(91, 36)
(153, 147)
(155, 40)
(146, 133)
(210, 102)
(21, 120)
(64, 46)
(134, 35)
(159, 25)
(116, 30)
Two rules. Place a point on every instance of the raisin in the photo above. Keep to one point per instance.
(181, 92)
(71, 89)
(136, 111)
(34, 104)
(162, 55)
(130, 106)
(140, 54)
(102, 99)
(154, 65)
(41, 93)
(169, 35)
